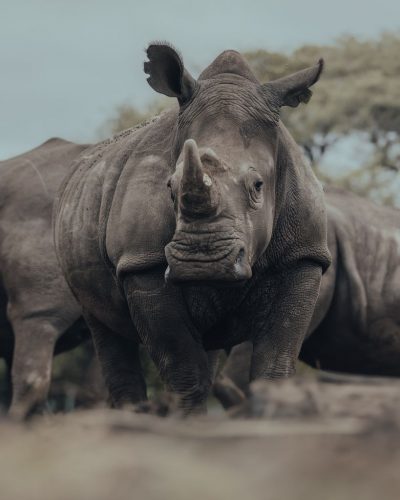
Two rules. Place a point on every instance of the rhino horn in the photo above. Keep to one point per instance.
(199, 195)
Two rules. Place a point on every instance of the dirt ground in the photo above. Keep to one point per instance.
(325, 439)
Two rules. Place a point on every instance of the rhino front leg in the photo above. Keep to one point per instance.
(31, 365)
(160, 315)
(120, 364)
(284, 311)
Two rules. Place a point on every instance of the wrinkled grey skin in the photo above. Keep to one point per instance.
(247, 214)
(37, 310)
(356, 323)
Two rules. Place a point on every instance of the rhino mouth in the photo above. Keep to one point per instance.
(207, 261)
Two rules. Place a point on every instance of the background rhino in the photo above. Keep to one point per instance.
(38, 313)
(248, 212)
(356, 323)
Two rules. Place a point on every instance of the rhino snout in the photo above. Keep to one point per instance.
(230, 265)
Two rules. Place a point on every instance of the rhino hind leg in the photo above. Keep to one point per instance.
(120, 365)
(231, 386)
(35, 339)
(6, 387)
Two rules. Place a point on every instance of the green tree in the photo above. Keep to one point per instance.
(358, 95)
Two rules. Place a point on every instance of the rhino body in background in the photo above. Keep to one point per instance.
(38, 313)
(244, 235)
(356, 323)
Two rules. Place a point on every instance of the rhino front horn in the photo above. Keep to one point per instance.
(199, 195)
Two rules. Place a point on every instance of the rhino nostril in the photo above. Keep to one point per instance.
(239, 256)
(242, 269)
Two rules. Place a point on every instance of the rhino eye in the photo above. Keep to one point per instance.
(258, 185)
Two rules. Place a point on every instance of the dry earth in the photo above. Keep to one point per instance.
(328, 439)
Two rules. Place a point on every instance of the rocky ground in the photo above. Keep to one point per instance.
(331, 438)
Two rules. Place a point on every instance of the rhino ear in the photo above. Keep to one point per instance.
(293, 89)
(167, 74)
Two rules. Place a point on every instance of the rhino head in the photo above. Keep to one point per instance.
(224, 187)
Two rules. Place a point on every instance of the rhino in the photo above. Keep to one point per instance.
(38, 313)
(356, 323)
(200, 230)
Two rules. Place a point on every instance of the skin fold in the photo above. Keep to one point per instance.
(356, 323)
(197, 231)
(38, 313)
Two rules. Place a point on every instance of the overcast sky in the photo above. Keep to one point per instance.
(67, 64)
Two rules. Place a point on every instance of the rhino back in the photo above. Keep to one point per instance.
(29, 182)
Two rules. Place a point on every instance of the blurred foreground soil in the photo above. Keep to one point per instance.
(331, 438)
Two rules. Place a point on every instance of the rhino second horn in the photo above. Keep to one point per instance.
(198, 192)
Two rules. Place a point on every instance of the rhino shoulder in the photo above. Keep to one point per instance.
(141, 219)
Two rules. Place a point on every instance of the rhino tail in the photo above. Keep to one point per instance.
(357, 289)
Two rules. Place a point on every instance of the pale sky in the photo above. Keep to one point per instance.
(67, 64)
